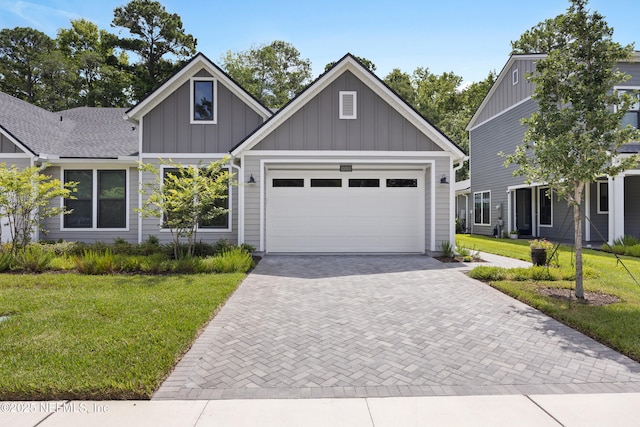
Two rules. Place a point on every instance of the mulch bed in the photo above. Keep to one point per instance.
(590, 298)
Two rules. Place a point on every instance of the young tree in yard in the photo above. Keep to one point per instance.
(185, 197)
(575, 135)
(25, 200)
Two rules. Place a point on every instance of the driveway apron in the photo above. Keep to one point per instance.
(376, 326)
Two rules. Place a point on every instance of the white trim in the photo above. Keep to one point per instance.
(481, 208)
(88, 162)
(241, 201)
(214, 95)
(539, 199)
(514, 77)
(348, 63)
(518, 186)
(512, 59)
(343, 94)
(510, 213)
(517, 104)
(202, 156)
(598, 183)
(198, 228)
(587, 208)
(15, 156)
(265, 162)
(199, 62)
(240, 184)
(346, 153)
(140, 205)
(94, 199)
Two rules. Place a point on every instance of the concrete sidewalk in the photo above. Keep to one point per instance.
(515, 410)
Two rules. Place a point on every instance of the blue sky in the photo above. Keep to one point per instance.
(468, 37)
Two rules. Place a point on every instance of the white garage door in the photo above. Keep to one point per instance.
(360, 211)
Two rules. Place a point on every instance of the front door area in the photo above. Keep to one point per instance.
(523, 211)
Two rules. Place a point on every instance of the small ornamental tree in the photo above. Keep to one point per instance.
(576, 134)
(25, 200)
(184, 197)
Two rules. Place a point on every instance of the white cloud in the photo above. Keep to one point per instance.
(44, 18)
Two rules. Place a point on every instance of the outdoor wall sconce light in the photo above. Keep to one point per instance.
(443, 180)
(252, 180)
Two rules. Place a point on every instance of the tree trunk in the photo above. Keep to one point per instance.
(577, 224)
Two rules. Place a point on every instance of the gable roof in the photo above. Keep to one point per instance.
(79, 132)
(350, 63)
(498, 82)
(198, 62)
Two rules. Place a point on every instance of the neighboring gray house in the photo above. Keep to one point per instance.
(346, 166)
(498, 200)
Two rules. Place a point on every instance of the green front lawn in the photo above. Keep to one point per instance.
(616, 325)
(70, 336)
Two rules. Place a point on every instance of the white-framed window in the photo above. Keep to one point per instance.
(100, 202)
(632, 117)
(545, 207)
(348, 105)
(515, 77)
(204, 105)
(221, 223)
(482, 208)
(603, 196)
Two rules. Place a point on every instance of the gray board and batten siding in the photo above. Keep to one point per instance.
(508, 94)
(167, 128)
(316, 126)
(8, 147)
(486, 166)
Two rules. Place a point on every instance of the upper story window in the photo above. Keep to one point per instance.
(515, 77)
(348, 105)
(482, 208)
(204, 107)
(632, 117)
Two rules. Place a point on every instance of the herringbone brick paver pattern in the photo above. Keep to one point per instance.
(368, 326)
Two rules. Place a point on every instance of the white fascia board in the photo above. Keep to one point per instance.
(346, 153)
(349, 64)
(168, 156)
(532, 185)
(496, 84)
(182, 77)
(115, 163)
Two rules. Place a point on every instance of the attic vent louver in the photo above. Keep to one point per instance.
(348, 105)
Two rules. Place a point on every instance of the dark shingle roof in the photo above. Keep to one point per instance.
(82, 132)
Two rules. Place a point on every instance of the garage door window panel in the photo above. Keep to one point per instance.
(355, 182)
(287, 182)
(324, 183)
(402, 183)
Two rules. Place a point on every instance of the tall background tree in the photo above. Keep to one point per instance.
(576, 134)
(273, 73)
(102, 76)
(22, 55)
(158, 40)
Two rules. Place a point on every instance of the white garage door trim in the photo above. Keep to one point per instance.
(347, 218)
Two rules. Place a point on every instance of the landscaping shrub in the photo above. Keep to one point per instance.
(447, 249)
(34, 258)
(156, 263)
(62, 262)
(250, 249)
(486, 273)
(626, 240)
(186, 265)
(6, 261)
(235, 260)
(94, 262)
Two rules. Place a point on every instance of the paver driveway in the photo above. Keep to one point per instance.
(363, 326)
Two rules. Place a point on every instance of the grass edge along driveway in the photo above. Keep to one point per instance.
(70, 336)
(615, 325)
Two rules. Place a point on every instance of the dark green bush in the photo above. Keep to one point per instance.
(236, 260)
(94, 262)
(6, 261)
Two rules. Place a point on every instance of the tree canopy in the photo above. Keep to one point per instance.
(576, 134)
(273, 73)
(157, 34)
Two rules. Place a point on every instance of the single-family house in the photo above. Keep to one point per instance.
(500, 202)
(346, 166)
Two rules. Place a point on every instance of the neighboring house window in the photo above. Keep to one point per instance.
(219, 222)
(482, 207)
(546, 207)
(203, 100)
(100, 200)
(348, 105)
(632, 117)
(603, 197)
(515, 77)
